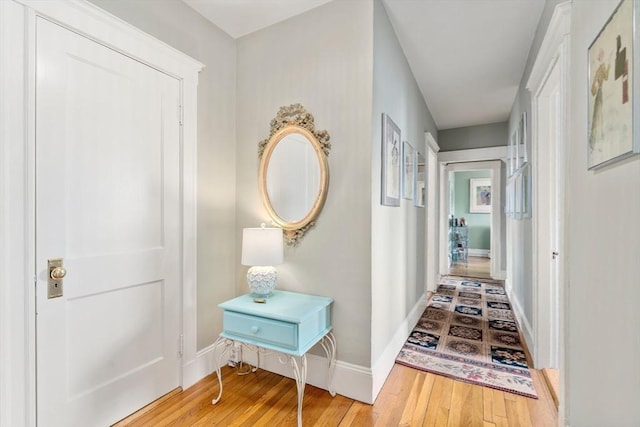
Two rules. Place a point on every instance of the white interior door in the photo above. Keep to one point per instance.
(108, 204)
(548, 180)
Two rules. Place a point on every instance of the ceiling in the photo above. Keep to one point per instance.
(468, 56)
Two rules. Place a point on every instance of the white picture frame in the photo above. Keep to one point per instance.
(408, 170)
(390, 165)
(420, 187)
(480, 195)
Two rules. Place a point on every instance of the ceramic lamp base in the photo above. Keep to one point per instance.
(262, 280)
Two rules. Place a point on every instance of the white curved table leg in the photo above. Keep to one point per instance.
(328, 343)
(300, 372)
(227, 343)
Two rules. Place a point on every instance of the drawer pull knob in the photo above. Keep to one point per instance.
(255, 329)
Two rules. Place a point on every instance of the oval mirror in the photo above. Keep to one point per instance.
(294, 175)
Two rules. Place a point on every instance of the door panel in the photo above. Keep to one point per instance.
(107, 202)
(549, 129)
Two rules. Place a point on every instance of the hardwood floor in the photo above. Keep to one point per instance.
(408, 398)
(476, 267)
(552, 377)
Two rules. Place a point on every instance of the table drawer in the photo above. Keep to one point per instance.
(260, 329)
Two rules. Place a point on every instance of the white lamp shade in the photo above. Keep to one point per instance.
(262, 246)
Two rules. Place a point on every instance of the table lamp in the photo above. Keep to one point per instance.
(262, 249)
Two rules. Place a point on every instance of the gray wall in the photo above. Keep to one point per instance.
(603, 259)
(481, 136)
(322, 59)
(333, 73)
(176, 24)
(397, 233)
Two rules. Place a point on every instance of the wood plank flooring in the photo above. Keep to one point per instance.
(476, 267)
(408, 398)
(552, 377)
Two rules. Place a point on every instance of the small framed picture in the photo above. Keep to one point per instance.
(522, 141)
(419, 198)
(390, 188)
(512, 152)
(408, 170)
(480, 195)
(510, 198)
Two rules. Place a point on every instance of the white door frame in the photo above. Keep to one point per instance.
(17, 181)
(431, 228)
(550, 325)
(470, 160)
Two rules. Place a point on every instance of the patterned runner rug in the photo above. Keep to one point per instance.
(468, 332)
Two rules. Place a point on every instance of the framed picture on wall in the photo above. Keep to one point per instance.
(421, 181)
(390, 188)
(522, 141)
(510, 197)
(408, 170)
(518, 196)
(512, 153)
(613, 88)
(480, 195)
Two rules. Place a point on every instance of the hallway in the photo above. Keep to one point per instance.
(475, 267)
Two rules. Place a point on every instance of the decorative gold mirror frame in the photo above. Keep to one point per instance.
(289, 120)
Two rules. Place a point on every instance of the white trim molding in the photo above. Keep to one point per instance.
(559, 28)
(473, 155)
(17, 346)
(525, 326)
(352, 381)
(482, 253)
(17, 182)
(431, 142)
(382, 367)
(554, 54)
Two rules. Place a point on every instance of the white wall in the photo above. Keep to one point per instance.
(397, 233)
(323, 60)
(603, 232)
(176, 24)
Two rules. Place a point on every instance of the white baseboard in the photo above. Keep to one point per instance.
(500, 275)
(484, 253)
(523, 322)
(349, 380)
(352, 381)
(204, 364)
(382, 367)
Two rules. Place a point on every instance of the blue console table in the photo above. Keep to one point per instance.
(289, 323)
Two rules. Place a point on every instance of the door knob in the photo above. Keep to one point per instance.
(58, 273)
